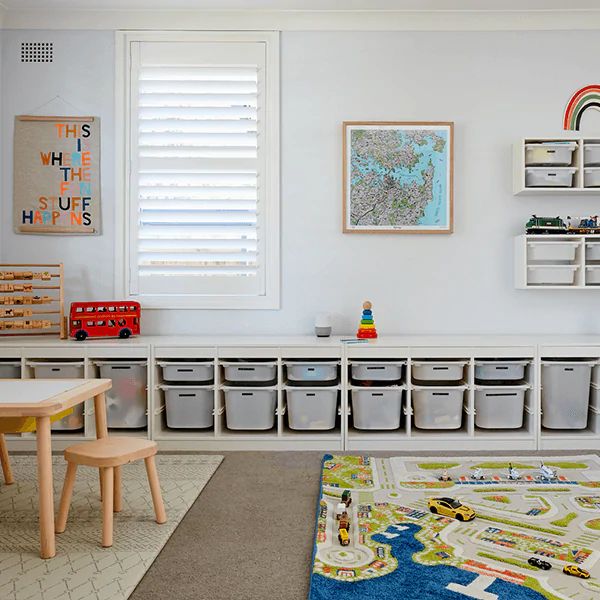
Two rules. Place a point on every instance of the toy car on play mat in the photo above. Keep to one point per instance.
(449, 507)
(343, 537)
(534, 561)
(576, 571)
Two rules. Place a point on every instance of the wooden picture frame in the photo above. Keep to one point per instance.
(426, 193)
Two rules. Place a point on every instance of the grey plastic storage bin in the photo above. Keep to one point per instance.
(189, 407)
(500, 408)
(62, 370)
(10, 369)
(312, 372)
(549, 176)
(312, 408)
(565, 394)
(376, 408)
(591, 177)
(255, 372)
(548, 153)
(187, 372)
(377, 371)
(591, 155)
(500, 370)
(441, 372)
(127, 400)
(438, 408)
(250, 408)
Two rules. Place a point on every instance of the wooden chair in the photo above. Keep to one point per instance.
(6, 470)
(109, 454)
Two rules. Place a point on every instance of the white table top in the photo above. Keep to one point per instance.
(33, 391)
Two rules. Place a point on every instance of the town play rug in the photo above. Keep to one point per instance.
(82, 569)
(399, 549)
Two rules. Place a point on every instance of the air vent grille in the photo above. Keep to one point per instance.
(37, 52)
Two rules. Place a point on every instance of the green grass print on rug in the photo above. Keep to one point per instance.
(399, 549)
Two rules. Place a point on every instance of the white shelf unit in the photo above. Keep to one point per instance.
(344, 436)
(557, 261)
(409, 437)
(583, 160)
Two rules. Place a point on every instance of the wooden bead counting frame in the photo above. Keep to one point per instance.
(32, 300)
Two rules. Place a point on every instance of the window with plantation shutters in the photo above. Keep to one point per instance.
(203, 171)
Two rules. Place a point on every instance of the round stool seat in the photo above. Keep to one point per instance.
(110, 451)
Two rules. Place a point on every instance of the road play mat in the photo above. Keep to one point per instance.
(546, 511)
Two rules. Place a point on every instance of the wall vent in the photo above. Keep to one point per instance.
(36, 52)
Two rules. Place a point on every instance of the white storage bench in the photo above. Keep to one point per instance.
(312, 408)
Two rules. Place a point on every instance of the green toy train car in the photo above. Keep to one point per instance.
(545, 225)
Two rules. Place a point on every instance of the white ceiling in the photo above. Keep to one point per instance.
(418, 5)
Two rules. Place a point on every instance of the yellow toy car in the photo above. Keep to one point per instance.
(449, 507)
(576, 571)
(343, 537)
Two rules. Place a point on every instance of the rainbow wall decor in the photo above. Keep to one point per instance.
(580, 101)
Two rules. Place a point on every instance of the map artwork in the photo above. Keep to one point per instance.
(398, 177)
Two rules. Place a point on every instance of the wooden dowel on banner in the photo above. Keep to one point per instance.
(58, 229)
(52, 119)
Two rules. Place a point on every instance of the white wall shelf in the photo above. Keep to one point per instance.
(553, 261)
(529, 164)
(344, 436)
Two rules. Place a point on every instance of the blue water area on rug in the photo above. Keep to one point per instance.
(411, 580)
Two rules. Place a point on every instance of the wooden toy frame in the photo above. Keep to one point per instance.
(19, 283)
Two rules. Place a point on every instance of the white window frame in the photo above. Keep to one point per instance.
(271, 179)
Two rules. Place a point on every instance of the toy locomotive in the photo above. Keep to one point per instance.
(556, 225)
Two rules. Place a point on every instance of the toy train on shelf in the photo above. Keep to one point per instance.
(556, 225)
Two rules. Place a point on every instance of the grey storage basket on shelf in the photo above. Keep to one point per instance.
(566, 393)
(377, 371)
(438, 407)
(250, 408)
(438, 372)
(189, 407)
(127, 400)
(10, 369)
(187, 371)
(377, 408)
(312, 408)
(312, 372)
(62, 369)
(249, 372)
(501, 407)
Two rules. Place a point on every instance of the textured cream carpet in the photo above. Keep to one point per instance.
(82, 569)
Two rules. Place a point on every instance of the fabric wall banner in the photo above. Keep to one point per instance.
(56, 175)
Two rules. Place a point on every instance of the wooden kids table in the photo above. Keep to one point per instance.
(42, 399)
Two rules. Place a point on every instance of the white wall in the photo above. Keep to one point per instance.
(496, 87)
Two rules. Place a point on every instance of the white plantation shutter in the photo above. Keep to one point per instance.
(200, 206)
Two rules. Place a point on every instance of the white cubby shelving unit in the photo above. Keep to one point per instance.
(409, 350)
(557, 261)
(538, 157)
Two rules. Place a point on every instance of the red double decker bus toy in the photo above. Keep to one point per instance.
(104, 319)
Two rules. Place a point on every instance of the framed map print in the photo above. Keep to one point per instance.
(398, 177)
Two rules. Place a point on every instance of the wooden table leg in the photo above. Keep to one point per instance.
(46, 491)
(100, 416)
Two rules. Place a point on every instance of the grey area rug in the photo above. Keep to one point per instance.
(82, 569)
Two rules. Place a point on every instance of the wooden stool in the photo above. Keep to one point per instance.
(6, 470)
(109, 454)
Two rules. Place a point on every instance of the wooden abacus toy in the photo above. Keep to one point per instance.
(32, 300)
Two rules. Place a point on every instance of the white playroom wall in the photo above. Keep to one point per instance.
(496, 87)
